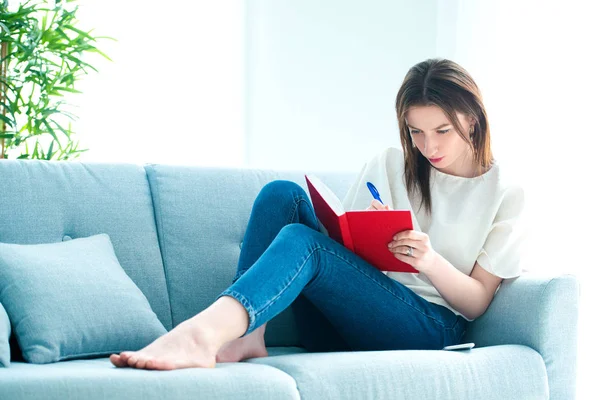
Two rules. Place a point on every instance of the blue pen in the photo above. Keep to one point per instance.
(374, 191)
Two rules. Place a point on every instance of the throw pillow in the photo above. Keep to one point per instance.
(4, 336)
(72, 299)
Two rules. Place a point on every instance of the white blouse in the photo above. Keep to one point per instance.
(472, 219)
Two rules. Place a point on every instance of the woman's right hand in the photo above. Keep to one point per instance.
(376, 205)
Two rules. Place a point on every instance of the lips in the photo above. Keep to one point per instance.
(436, 160)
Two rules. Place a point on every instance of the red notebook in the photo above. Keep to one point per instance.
(365, 233)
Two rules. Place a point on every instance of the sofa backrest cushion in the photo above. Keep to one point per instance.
(202, 214)
(51, 201)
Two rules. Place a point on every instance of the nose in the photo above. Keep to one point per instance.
(430, 147)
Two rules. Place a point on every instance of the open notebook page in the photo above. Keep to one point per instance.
(327, 194)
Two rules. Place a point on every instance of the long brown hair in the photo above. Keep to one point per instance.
(445, 84)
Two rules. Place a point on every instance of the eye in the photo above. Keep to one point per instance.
(414, 132)
(444, 131)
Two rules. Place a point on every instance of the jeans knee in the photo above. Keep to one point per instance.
(297, 230)
(278, 188)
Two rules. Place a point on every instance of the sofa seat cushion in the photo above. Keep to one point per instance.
(99, 379)
(285, 350)
(496, 372)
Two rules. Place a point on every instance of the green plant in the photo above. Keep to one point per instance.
(41, 60)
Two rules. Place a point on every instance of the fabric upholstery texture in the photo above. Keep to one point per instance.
(98, 379)
(55, 201)
(72, 299)
(4, 336)
(177, 231)
(491, 373)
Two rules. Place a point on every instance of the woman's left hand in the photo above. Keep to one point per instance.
(423, 257)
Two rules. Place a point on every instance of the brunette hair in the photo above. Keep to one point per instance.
(445, 84)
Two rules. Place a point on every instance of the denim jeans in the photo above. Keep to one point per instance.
(340, 301)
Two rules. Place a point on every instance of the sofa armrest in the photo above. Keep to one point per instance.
(541, 312)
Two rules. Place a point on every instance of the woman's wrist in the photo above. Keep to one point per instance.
(437, 265)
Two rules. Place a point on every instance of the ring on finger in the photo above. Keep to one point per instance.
(409, 251)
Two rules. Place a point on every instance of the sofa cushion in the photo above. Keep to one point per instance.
(72, 299)
(98, 379)
(202, 214)
(50, 200)
(496, 372)
(4, 336)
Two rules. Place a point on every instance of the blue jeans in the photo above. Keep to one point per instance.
(340, 302)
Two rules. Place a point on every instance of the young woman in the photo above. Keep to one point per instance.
(466, 239)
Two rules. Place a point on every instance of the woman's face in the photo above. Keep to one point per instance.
(439, 141)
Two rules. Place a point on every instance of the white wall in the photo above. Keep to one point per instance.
(249, 83)
(536, 63)
(322, 78)
(175, 91)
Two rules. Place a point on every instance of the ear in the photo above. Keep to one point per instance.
(472, 121)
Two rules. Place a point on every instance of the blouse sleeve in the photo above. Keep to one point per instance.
(502, 249)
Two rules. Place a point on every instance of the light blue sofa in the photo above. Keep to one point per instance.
(177, 230)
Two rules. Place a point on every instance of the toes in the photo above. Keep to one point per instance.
(116, 360)
(141, 363)
(151, 364)
(131, 361)
(125, 355)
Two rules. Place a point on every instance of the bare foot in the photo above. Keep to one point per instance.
(245, 347)
(186, 346)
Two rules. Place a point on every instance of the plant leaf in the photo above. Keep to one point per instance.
(80, 32)
(7, 121)
(46, 58)
(66, 89)
(49, 155)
